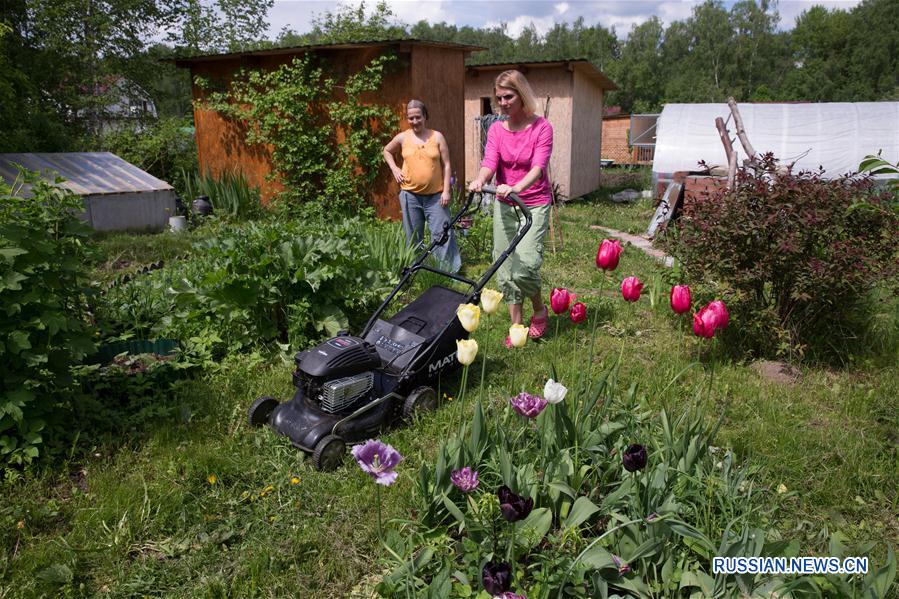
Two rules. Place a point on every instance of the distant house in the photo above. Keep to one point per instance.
(629, 138)
(117, 195)
(430, 71)
(570, 95)
(120, 104)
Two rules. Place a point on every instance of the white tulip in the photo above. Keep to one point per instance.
(466, 350)
(470, 316)
(554, 392)
(490, 300)
(518, 335)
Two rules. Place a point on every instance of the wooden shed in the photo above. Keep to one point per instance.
(570, 95)
(429, 71)
(117, 195)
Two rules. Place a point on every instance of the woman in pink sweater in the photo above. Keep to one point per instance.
(517, 152)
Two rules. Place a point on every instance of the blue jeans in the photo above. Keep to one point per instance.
(419, 208)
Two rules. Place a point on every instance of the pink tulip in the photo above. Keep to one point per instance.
(607, 255)
(701, 327)
(721, 313)
(680, 298)
(560, 299)
(630, 289)
(578, 313)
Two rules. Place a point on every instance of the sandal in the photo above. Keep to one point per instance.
(538, 325)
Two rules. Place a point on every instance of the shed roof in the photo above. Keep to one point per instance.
(85, 173)
(576, 64)
(281, 50)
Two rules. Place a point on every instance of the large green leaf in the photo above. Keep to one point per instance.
(582, 509)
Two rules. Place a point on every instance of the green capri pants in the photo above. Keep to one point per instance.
(519, 276)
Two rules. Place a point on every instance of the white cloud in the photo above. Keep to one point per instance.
(562, 7)
(521, 22)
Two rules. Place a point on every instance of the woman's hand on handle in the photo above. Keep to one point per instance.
(504, 190)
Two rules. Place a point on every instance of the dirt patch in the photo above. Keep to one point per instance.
(778, 372)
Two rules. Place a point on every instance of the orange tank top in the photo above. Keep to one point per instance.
(422, 165)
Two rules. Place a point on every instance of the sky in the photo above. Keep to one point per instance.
(518, 14)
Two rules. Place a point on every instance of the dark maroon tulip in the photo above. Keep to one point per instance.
(634, 457)
(496, 578)
(513, 507)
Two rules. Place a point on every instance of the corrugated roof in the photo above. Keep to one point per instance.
(582, 64)
(279, 50)
(85, 173)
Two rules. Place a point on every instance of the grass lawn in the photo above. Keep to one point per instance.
(204, 506)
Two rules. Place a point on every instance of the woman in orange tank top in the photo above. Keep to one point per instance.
(424, 180)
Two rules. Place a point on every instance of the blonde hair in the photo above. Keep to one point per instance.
(514, 80)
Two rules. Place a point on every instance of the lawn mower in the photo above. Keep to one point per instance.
(349, 388)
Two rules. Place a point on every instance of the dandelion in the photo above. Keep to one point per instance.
(212, 479)
(781, 489)
(295, 480)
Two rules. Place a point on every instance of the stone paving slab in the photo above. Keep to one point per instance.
(639, 242)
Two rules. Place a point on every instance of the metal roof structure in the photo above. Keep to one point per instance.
(85, 173)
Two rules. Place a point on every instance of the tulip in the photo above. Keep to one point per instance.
(680, 298)
(465, 479)
(379, 460)
(634, 457)
(608, 253)
(720, 311)
(510, 595)
(466, 350)
(513, 507)
(496, 578)
(623, 566)
(518, 335)
(560, 299)
(703, 325)
(490, 299)
(578, 313)
(631, 288)
(554, 392)
(470, 316)
(528, 405)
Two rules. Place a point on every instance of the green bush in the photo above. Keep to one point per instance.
(44, 319)
(800, 256)
(256, 283)
(165, 149)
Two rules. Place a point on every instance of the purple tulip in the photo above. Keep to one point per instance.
(634, 457)
(528, 405)
(496, 578)
(623, 566)
(513, 507)
(465, 479)
(511, 595)
(379, 460)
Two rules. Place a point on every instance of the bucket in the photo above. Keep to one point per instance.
(177, 223)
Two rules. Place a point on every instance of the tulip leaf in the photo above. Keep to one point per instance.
(582, 509)
(646, 549)
(687, 531)
(532, 529)
(563, 488)
(454, 509)
(879, 581)
(597, 558)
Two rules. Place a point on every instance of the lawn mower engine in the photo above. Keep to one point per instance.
(337, 373)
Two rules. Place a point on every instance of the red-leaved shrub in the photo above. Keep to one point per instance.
(799, 253)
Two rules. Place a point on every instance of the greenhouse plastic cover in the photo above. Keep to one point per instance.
(834, 135)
